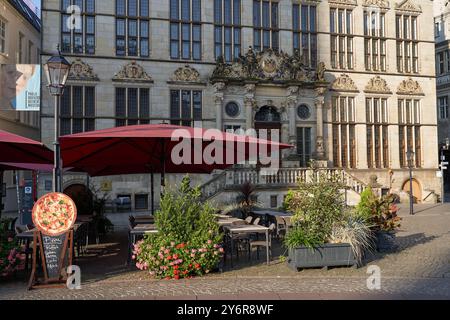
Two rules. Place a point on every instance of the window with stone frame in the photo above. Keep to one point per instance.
(344, 136)
(78, 38)
(304, 22)
(410, 130)
(443, 107)
(377, 132)
(374, 40)
(227, 29)
(265, 25)
(185, 29)
(132, 28)
(132, 106)
(186, 108)
(341, 29)
(77, 109)
(2, 35)
(407, 43)
(304, 146)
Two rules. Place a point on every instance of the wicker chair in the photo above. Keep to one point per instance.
(281, 227)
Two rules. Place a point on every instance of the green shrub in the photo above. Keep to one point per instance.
(11, 258)
(188, 239)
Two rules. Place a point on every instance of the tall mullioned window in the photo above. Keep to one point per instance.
(305, 32)
(407, 44)
(132, 106)
(78, 36)
(132, 28)
(2, 36)
(443, 107)
(186, 107)
(377, 133)
(341, 28)
(77, 109)
(409, 130)
(374, 40)
(344, 138)
(265, 25)
(185, 29)
(227, 29)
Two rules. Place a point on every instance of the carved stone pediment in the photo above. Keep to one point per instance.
(132, 72)
(408, 6)
(410, 87)
(383, 4)
(186, 74)
(344, 83)
(268, 65)
(378, 85)
(352, 3)
(81, 71)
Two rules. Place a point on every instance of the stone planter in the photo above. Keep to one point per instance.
(328, 255)
(385, 241)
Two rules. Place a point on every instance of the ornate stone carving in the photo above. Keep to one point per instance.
(410, 87)
(219, 86)
(344, 83)
(292, 91)
(320, 91)
(250, 88)
(353, 3)
(320, 73)
(377, 85)
(384, 4)
(82, 71)
(408, 6)
(132, 72)
(267, 65)
(186, 74)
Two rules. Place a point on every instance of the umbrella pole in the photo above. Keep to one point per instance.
(1, 192)
(152, 196)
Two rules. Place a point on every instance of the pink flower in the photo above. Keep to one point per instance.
(209, 241)
(172, 243)
(221, 250)
(194, 250)
(192, 255)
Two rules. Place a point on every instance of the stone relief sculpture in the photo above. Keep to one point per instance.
(268, 65)
(344, 83)
(378, 85)
(132, 72)
(82, 71)
(410, 87)
(186, 74)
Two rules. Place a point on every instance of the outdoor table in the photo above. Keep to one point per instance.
(273, 213)
(228, 222)
(247, 229)
(144, 220)
(138, 230)
(223, 216)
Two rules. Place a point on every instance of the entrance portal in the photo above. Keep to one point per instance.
(269, 120)
(417, 190)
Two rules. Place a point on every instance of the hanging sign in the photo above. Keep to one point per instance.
(54, 216)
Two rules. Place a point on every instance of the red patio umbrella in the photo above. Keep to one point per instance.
(17, 149)
(149, 148)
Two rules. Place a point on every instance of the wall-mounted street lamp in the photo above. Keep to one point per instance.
(57, 70)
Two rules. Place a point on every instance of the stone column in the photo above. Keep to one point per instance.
(249, 102)
(292, 100)
(320, 142)
(218, 101)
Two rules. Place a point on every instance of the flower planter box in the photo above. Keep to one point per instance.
(328, 255)
(385, 241)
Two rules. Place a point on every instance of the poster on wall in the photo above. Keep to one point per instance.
(20, 87)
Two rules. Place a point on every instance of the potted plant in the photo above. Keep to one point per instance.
(381, 214)
(12, 258)
(188, 240)
(318, 205)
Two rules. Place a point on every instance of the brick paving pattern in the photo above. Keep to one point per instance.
(419, 268)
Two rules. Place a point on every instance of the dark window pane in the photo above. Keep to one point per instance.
(174, 9)
(132, 47)
(65, 4)
(65, 43)
(196, 51)
(77, 93)
(266, 15)
(65, 27)
(89, 104)
(196, 10)
(132, 8)
(304, 18)
(66, 103)
(121, 102)
(175, 106)
(227, 11)
(186, 107)
(275, 15)
(144, 48)
(90, 25)
(237, 12)
(120, 7)
(144, 29)
(186, 10)
(144, 8)
(89, 124)
(77, 126)
(295, 17)
(174, 49)
(256, 14)
(78, 43)
(144, 103)
(65, 127)
(218, 11)
(132, 103)
(197, 104)
(120, 46)
(90, 6)
(79, 3)
(312, 19)
(132, 28)
(120, 27)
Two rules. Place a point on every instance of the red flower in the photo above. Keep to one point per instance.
(176, 272)
(177, 277)
(168, 278)
(169, 257)
(176, 267)
(197, 266)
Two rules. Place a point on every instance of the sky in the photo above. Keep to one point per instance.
(33, 4)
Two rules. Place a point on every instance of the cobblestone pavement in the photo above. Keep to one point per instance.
(419, 268)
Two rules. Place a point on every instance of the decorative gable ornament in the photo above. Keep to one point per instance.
(81, 71)
(383, 4)
(410, 87)
(186, 74)
(344, 83)
(352, 3)
(132, 72)
(408, 6)
(377, 85)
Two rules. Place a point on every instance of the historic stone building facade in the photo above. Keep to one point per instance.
(350, 83)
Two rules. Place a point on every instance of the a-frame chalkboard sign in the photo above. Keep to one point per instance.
(54, 216)
(54, 254)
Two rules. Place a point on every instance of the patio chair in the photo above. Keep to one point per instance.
(262, 243)
(249, 220)
(256, 221)
(288, 223)
(281, 227)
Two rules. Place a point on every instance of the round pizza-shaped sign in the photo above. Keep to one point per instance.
(54, 214)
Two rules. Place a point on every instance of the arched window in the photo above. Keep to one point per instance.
(268, 114)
